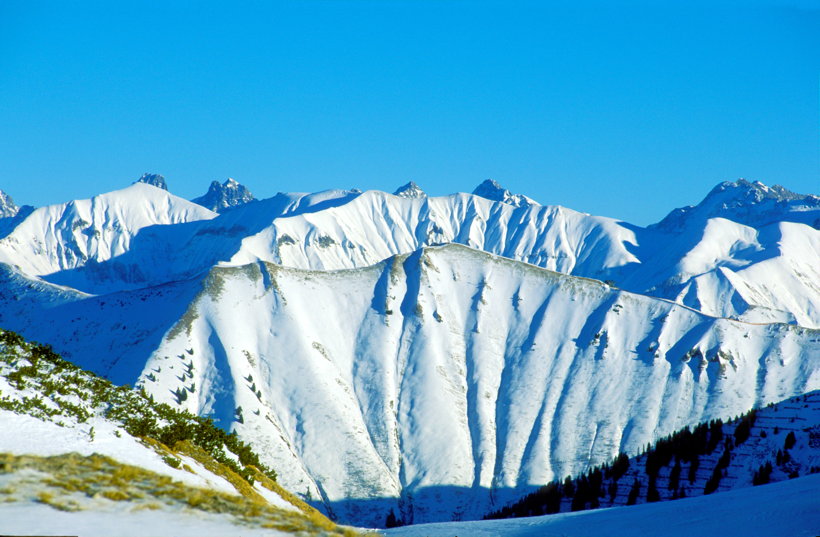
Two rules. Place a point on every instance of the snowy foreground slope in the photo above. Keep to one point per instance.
(106, 456)
(787, 509)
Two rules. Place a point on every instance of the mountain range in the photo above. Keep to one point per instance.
(434, 357)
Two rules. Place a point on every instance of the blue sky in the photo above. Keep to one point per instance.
(623, 111)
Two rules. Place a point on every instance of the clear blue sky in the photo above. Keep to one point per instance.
(622, 111)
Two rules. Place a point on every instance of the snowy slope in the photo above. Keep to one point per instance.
(433, 378)
(786, 509)
(65, 236)
(68, 442)
(775, 443)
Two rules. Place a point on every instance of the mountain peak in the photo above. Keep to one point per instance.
(7, 206)
(153, 179)
(750, 203)
(492, 190)
(221, 197)
(410, 190)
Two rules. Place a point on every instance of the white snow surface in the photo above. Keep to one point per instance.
(787, 509)
(120, 521)
(26, 435)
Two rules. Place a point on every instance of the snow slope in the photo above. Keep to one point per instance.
(787, 509)
(452, 377)
(775, 443)
(68, 442)
(65, 236)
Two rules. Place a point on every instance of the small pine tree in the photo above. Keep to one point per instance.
(791, 440)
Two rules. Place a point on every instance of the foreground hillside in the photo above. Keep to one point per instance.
(79, 455)
(787, 509)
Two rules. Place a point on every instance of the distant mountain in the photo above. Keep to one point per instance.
(70, 235)
(227, 195)
(748, 203)
(410, 190)
(153, 179)
(491, 190)
(7, 206)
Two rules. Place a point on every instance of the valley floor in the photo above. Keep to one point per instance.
(788, 509)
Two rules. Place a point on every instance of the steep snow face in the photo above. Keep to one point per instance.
(69, 235)
(153, 179)
(438, 383)
(491, 190)
(221, 197)
(750, 203)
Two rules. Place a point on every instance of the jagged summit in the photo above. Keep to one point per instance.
(492, 190)
(153, 179)
(7, 206)
(410, 190)
(224, 196)
(750, 203)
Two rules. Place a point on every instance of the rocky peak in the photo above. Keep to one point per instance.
(223, 196)
(410, 190)
(7, 206)
(492, 190)
(153, 179)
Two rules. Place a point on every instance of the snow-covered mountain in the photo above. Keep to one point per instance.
(69, 235)
(427, 355)
(766, 445)
(431, 384)
(223, 196)
(716, 265)
(750, 203)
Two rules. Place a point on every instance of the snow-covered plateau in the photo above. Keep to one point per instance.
(432, 357)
